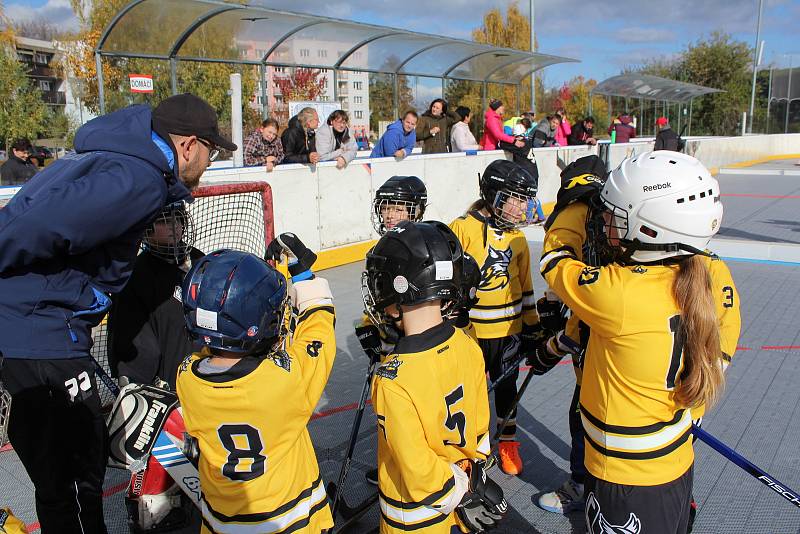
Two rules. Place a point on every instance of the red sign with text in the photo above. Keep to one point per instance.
(141, 83)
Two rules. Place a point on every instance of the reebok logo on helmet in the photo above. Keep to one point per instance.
(656, 187)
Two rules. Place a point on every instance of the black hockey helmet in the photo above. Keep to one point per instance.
(406, 192)
(503, 180)
(171, 235)
(412, 263)
(470, 280)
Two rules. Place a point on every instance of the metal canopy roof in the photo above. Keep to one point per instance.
(634, 85)
(784, 88)
(215, 31)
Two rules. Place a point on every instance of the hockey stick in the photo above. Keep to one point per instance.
(510, 370)
(370, 340)
(514, 404)
(759, 474)
(356, 513)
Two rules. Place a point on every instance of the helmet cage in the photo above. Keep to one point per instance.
(171, 236)
(507, 218)
(414, 209)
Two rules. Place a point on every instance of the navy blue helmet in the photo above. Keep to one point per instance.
(235, 301)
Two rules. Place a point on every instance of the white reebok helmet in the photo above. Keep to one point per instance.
(664, 204)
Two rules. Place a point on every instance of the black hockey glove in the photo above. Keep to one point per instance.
(545, 357)
(581, 181)
(483, 505)
(551, 314)
(370, 338)
(301, 258)
(533, 336)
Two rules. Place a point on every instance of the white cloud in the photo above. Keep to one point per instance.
(55, 12)
(640, 34)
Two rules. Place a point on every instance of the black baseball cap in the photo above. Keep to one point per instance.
(188, 114)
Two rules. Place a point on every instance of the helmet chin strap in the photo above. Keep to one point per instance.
(632, 246)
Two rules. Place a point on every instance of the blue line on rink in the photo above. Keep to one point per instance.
(768, 262)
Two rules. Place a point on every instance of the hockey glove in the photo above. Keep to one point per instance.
(483, 505)
(545, 357)
(581, 181)
(301, 258)
(551, 315)
(533, 336)
(370, 338)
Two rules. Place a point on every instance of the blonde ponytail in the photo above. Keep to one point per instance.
(702, 379)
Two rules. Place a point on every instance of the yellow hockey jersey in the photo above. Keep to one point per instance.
(505, 294)
(430, 399)
(726, 296)
(258, 469)
(636, 434)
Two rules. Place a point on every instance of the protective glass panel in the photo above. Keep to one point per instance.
(239, 34)
(507, 94)
(480, 66)
(781, 86)
(151, 27)
(323, 44)
(423, 91)
(468, 94)
(387, 53)
(117, 72)
(436, 61)
(381, 102)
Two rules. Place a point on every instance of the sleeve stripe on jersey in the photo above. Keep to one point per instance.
(491, 321)
(484, 445)
(726, 357)
(551, 258)
(308, 313)
(430, 500)
(272, 521)
(649, 455)
(641, 443)
(633, 430)
(514, 303)
(416, 526)
(504, 312)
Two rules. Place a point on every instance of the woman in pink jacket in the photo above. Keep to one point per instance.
(493, 127)
(564, 128)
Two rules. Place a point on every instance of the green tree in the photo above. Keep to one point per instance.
(716, 61)
(22, 112)
(381, 95)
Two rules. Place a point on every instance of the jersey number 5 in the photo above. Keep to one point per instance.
(455, 420)
(245, 461)
(677, 350)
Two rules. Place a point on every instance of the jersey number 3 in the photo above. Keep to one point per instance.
(455, 420)
(244, 446)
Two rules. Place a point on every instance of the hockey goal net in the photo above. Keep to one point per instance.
(237, 216)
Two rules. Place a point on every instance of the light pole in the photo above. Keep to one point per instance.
(533, 49)
(756, 58)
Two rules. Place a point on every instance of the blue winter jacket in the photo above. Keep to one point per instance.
(70, 235)
(393, 140)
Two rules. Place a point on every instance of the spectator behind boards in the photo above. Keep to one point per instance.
(493, 127)
(623, 128)
(299, 138)
(666, 138)
(264, 147)
(433, 128)
(334, 141)
(564, 128)
(69, 238)
(18, 168)
(399, 138)
(461, 138)
(545, 132)
(583, 133)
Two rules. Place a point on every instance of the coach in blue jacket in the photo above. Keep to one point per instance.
(68, 239)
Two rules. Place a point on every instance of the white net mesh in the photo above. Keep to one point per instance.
(236, 216)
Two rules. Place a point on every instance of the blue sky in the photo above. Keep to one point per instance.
(605, 36)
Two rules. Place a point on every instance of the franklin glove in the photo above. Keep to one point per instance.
(301, 258)
(551, 315)
(581, 181)
(544, 357)
(483, 505)
(370, 338)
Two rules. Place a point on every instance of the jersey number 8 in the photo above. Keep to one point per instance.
(245, 461)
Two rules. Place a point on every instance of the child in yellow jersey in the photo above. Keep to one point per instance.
(655, 348)
(504, 316)
(249, 394)
(429, 393)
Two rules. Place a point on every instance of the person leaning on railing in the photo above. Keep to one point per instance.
(263, 146)
(299, 143)
(461, 138)
(334, 142)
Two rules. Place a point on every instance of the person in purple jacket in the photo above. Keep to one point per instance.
(69, 238)
(399, 139)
